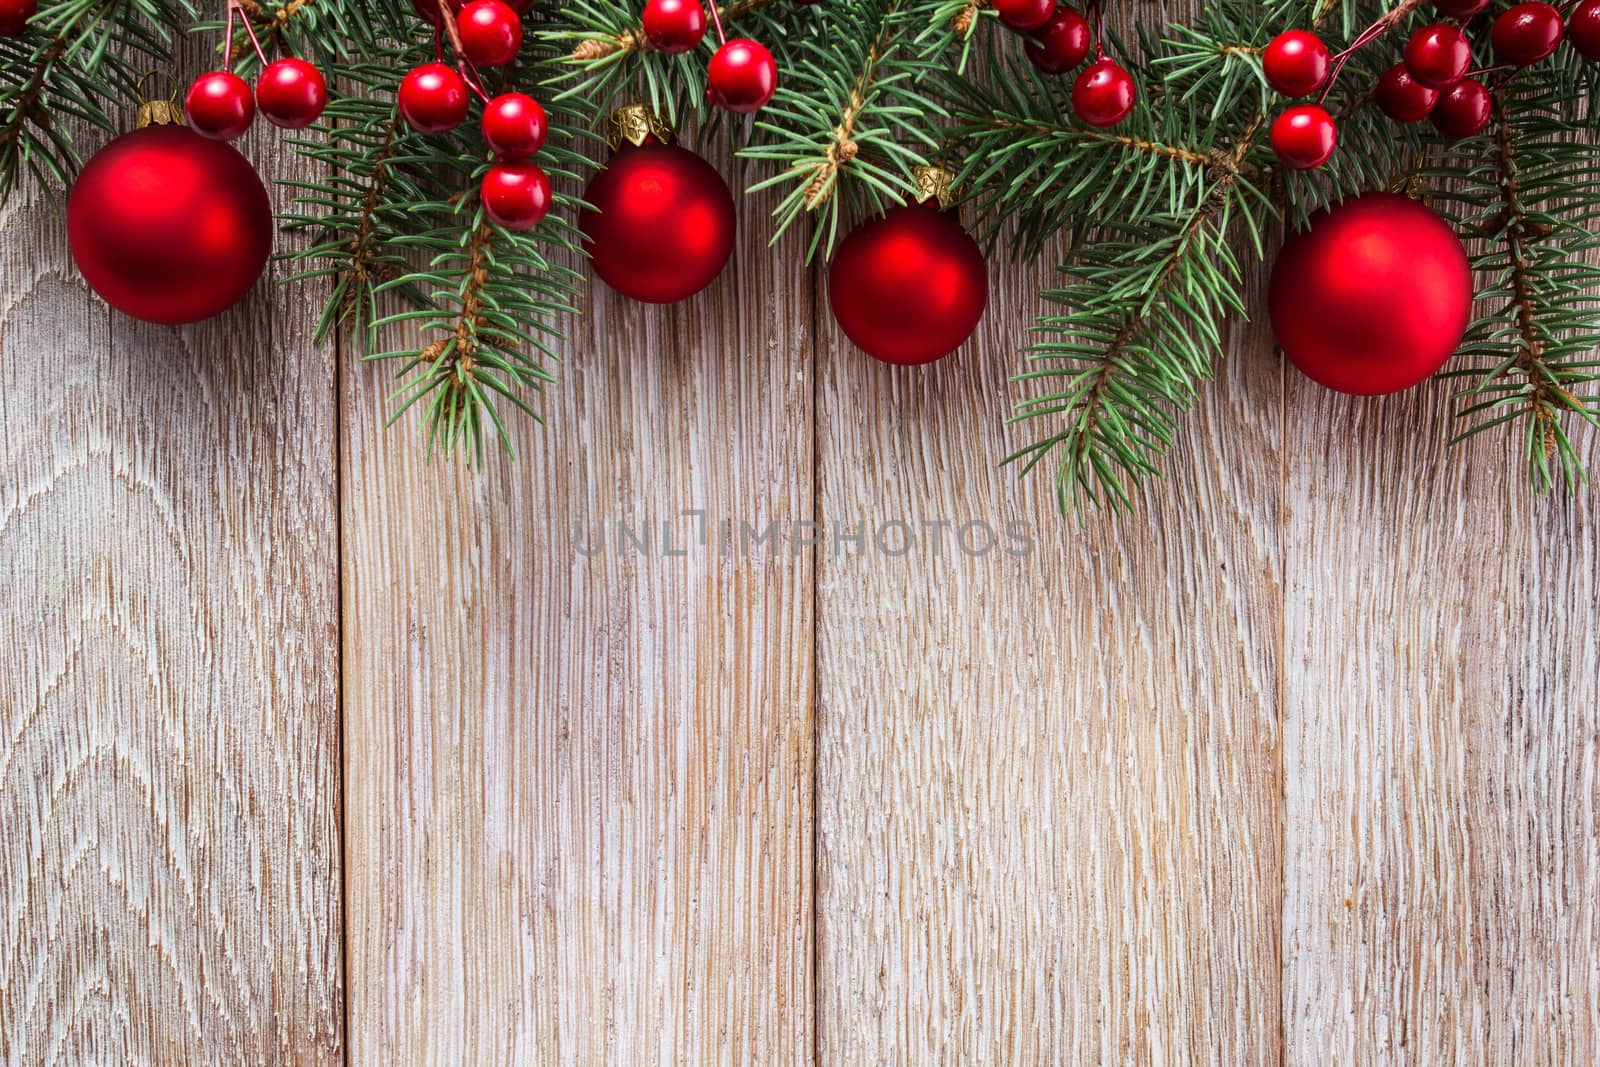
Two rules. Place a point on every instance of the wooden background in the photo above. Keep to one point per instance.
(312, 751)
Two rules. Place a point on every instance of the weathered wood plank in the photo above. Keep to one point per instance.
(1442, 716)
(1048, 798)
(579, 823)
(169, 731)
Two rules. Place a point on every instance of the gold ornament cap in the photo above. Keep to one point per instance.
(935, 183)
(166, 112)
(634, 124)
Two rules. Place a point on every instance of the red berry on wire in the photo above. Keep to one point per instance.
(1583, 29)
(674, 26)
(516, 195)
(1295, 63)
(1526, 34)
(742, 76)
(1061, 43)
(491, 33)
(1024, 15)
(291, 93)
(1104, 94)
(1402, 97)
(428, 10)
(1304, 136)
(1438, 55)
(1459, 9)
(14, 16)
(1463, 111)
(433, 98)
(514, 126)
(220, 105)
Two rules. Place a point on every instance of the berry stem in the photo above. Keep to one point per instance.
(1382, 25)
(716, 20)
(250, 31)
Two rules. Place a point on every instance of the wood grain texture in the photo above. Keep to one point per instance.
(1048, 802)
(579, 810)
(169, 734)
(1442, 713)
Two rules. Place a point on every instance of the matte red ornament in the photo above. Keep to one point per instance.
(491, 33)
(1526, 33)
(1373, 296)
(1061, 43)
(742, 76)
(291, 93)
(169, 226)
(429, 10)
(14, 16)
(662, 226)
(1024, 15)
(1295, 63)
(1104, 94)
(908, 287)
(674, 26)
(433, 98)
(220, 105)
(1402, 97)
(1304, 137)
(514, 125)
(516, 195)
(1438, 55)
(1463, 111)
(1583, 29)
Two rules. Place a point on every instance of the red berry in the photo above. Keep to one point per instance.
(429, 10)
(491, 33)
(1526, 34)
(1295, 63)
(1459, 9)
(1583, 29)
(220, 105)
(1103, 94)
(674, 26)
(742, 76)
(14, 16)
(1402, 97)
(1463, 111)
(1438, 55)
(516, 195)
(433, 98)
(1061, 43)
(1024, 15)
(1304, 136)
(291, 93)
(514, 126)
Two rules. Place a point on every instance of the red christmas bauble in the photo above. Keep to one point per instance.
(742, 76)
(14, 16)
(433, 98)
(514, 126)
(1061, 43)
(1373, 296)
(516, 195)
(1295, 63)
(1402, 97)
(168, 226)
(1583, 29)
(1104, 93)
(674, 26)
(1526, 34)
(908, 287)
(491, 33)
(662, 226)
(291, 93)
(1304, 136)
(220, 105)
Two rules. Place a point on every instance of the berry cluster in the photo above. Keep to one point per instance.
(14, 16)
(1433, 80)
(742, 75)
(290, 92)
(435, 98)
(1058, 42)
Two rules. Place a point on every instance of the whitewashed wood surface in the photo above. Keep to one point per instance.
(314, 751)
